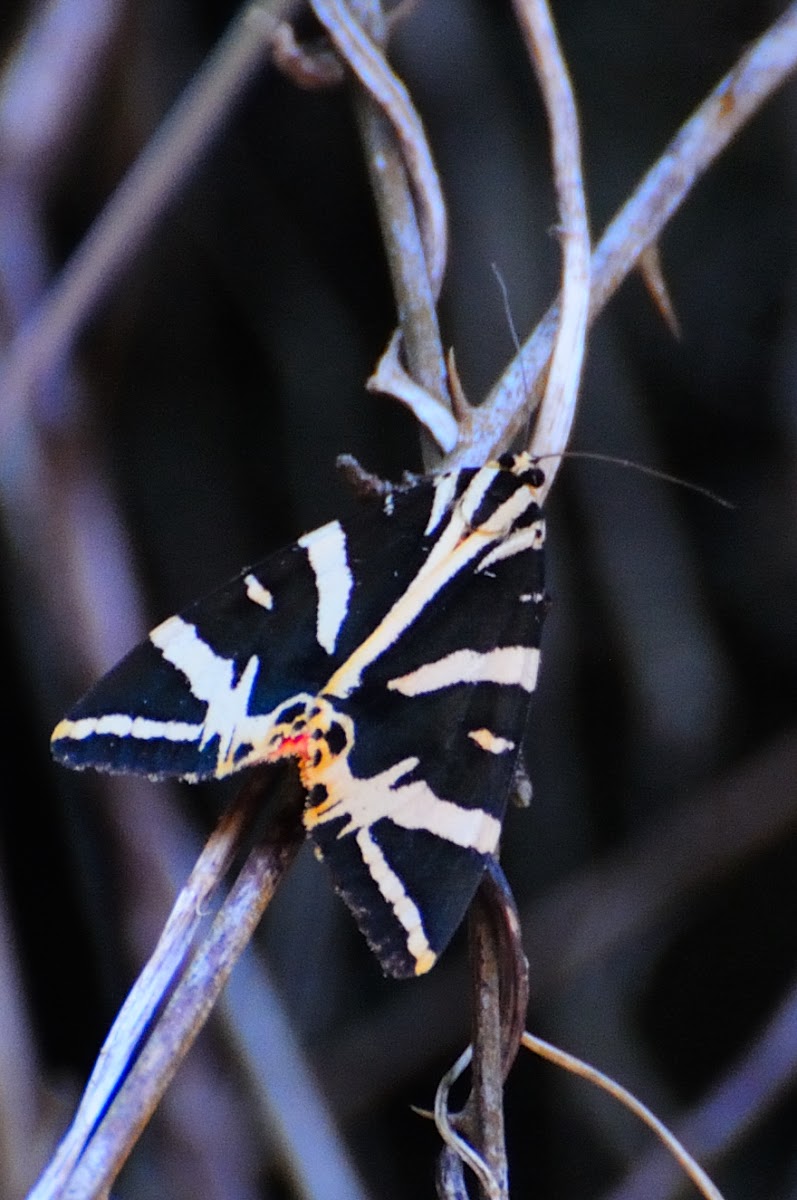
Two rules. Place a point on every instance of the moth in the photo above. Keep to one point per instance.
(393, 656)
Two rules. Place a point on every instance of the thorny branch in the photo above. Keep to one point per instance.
(760, 71)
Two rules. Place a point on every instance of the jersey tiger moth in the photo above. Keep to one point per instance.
(393, 656)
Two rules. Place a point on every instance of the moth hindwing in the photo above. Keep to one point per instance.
(393, 656)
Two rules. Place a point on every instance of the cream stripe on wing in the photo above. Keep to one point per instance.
(413, 805)
(326, 551)
(207, 673)
(531, 538)
(210, 678)
(123, 725)
(404, 909)
(445, 488)
(485, 739)
(257, 593)
(458, 544)
(506, 664)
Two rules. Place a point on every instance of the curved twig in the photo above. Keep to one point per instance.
(374, 73)
(454, 1141)
(558, 409)
(578, 1067)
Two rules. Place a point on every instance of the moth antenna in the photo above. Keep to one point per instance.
(644, 469)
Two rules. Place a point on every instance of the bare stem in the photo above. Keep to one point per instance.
(407, 192)
(577, 1066)
(126, 222)
(363, 55)
(105, 1130)
(558, 408)
(740, 94)
(483, 1120)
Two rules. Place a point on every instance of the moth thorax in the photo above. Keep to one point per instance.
(315, 734)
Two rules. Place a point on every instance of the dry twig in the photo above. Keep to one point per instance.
(113, 1117)
(124, 225)
(558, 408)
(759, 72)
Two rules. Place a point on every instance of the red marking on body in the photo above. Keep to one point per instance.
(292, 747)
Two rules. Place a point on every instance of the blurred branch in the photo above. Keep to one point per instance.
(21, 1140)
(283, 1089)
(756, 76)
(677, 1153)
(745, 1095)
(48, 81)
(127, 220)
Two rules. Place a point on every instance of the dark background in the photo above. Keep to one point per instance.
(210, 395)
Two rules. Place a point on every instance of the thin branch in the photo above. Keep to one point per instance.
(391, 379)
(740, 94)
(401, 237)
(407, 193)
(578, 1067)
(152, 985)
(371, 68)
(749, 1091)
(497, 899)
(184, 1015)
(499, 999)
(558, 409)
(458, 1149)
(482, 1121)
(139, 202)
